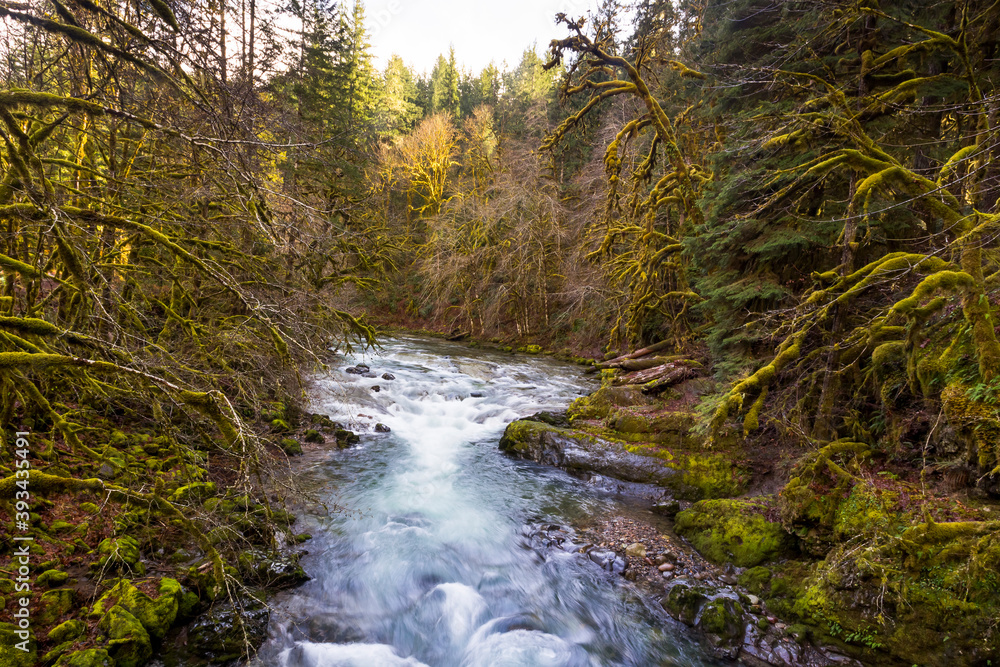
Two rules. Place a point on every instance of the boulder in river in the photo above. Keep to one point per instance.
(581, 452)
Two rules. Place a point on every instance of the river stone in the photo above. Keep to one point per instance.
(382, 428)
(388, 376)
(636, 550)
(684, 602)
(573, 450)
(668, 508)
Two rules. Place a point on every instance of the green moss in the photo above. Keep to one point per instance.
(280, 426)
(91, 657)
(683, 602)
(51, 579)
(156, 616)
(130, 645)
(119, 552)
(732, 531)
(756, 579)
(865, 511)
(10, 654)
(601, 403)
(60, 527)
(291, 446)
(312, 435)
(723, 618)
(710, 476)
(53, 605)
(67, 631)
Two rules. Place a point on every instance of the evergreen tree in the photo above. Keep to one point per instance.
(398, 109)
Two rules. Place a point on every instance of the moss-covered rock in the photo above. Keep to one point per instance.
(11, 643)
(684, 602)
(575, 450)
(51, 579)
(721, 619)
(195, 492)
(732, 531)
(61, 527)
(67, 631)
(120, 552)
(155, 616)
(705, 475)
(756, 579)
(291, 446)
(91, 657)
(129, 644)
(53, 605)
(601, 403)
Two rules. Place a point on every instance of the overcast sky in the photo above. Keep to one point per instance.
(481, 31)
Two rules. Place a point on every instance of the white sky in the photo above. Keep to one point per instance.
(481, 31)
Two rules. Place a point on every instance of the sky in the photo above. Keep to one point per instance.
(481, 30)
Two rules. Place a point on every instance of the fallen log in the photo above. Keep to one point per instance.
(664, 375)
(616, 362)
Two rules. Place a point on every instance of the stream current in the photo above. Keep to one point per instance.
(423, 554)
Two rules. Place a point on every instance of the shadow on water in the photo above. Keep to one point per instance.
(431, 563)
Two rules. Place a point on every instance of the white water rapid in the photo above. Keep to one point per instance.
(428, 561)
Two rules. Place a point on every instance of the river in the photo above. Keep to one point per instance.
(422, 554)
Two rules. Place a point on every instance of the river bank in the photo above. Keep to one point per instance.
(841, 544)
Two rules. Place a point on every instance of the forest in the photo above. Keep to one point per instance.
(769, 227)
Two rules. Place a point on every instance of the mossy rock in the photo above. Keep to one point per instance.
(193, 493)
(53, 605)
(756, 579)
(67, 631)
(706, 476)
(865, 511)
(51, 579)
(273, 410)
(346, 438)
(732, 531)
(7, 586)
(312, 435)
(684, 602)
(61, 527)
(91, 657)
(10, 654)
(291, 446)
(130, 645)
(119, 553)
(721, 620)
(603, 401)
(280, 426)
(531, 349)
(156, 616)
(53, 655)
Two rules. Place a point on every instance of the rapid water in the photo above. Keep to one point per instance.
(422, 555)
